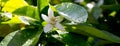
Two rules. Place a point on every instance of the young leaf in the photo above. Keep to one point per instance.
(12, 5)
(72, 12)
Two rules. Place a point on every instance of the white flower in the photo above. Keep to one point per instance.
(52, 21)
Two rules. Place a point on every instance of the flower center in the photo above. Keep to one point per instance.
(53, 20)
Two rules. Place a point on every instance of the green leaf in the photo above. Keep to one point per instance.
(12, 5)
(30, 11)
(2, 2)
(71, 39)
(26, 37)
(91, 31)
(14, 20)
(42, 4)
(72, 12)
(21, 19)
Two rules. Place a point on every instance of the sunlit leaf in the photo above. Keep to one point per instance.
(12, 5)
(21, 19)
(72, 12)
(30, 11)
(26, 37)
(3, 0)
(112, 14)
(14, 20)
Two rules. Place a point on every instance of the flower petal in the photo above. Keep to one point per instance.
(50, 13)
(59, 18)
(45, 18)
(59, 26)
(47, 28)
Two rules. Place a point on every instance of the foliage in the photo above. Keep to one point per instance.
(86, 23)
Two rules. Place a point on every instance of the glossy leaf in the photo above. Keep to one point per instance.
(73, 12)
(27, 20)
(26, 37)
(91, 31)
